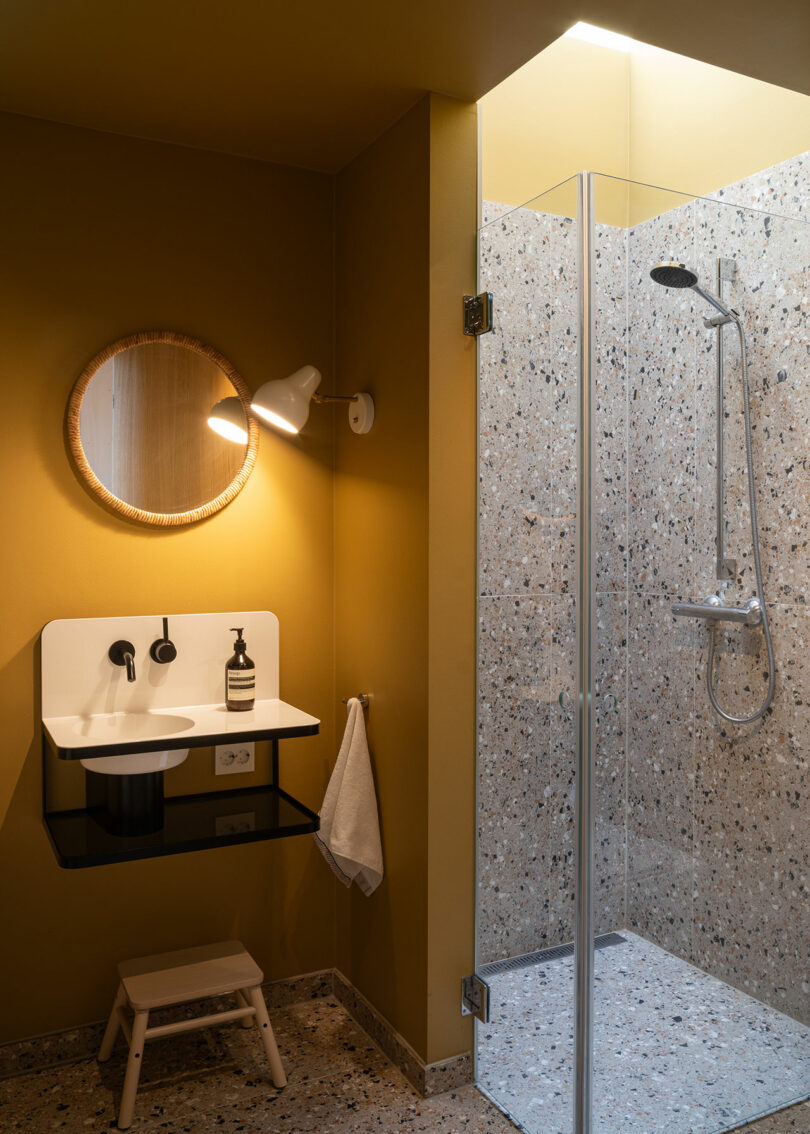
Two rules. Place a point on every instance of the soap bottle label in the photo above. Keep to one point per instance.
(241, 684)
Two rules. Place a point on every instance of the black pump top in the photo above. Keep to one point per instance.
(239, 645)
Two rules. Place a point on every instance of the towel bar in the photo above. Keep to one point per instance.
(361, 697)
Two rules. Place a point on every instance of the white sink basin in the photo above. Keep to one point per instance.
(136, 763)
(126, 735)
(110, 727)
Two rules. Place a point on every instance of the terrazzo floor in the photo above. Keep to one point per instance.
(676, 1051)
(215, 1082)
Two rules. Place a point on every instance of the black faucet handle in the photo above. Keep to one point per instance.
(163, 649)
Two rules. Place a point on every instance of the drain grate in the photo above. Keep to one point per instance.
(542, 956)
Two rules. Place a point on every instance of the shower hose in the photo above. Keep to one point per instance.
(752, 503)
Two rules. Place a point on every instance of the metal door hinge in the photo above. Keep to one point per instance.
(478, 313)
(475, 998)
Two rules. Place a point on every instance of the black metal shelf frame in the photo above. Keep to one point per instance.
(84, 837)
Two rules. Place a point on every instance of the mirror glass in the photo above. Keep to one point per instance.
(139, 434)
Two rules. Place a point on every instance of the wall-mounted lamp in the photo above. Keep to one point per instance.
(228, 419)
(285, 402)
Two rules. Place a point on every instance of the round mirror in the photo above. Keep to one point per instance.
(139, 434)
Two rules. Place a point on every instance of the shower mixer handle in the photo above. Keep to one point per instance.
(713, 610)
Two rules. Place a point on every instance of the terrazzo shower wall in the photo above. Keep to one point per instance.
(718, 839)
(528, 408)
(701, 846)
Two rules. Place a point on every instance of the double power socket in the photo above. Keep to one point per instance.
(239, 757)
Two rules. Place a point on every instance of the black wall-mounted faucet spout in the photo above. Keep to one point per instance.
(123, 653)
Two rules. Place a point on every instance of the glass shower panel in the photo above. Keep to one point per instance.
(528, 375)
(701, 851)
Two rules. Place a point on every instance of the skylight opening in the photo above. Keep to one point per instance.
(589, 33)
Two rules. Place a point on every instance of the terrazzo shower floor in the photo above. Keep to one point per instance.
(676, 1051)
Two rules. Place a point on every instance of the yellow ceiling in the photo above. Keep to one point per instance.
(614, 112)
(313, 83)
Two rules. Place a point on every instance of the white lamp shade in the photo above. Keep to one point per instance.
(285, 403)
(228, 419)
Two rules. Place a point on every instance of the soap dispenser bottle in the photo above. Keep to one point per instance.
(240, 677)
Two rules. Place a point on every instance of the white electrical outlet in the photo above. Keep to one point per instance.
(236, 824)
(239, 757)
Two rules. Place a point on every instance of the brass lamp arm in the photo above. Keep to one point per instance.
(334, 398)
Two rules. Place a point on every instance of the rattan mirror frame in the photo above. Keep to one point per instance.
(82, 465)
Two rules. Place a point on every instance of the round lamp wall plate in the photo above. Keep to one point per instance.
(361, 413)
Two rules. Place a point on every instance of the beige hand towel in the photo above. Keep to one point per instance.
(349, 836)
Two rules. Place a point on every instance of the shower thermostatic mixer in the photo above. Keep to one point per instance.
(714, 610)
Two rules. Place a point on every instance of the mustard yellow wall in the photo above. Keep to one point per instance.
(696, 128)
(648, 115)
(452, 552)
(564, 111)
(405, 559)
(381, 549)
(101, 236)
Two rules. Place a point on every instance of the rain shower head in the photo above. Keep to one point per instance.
(669, 273)
(672, 274)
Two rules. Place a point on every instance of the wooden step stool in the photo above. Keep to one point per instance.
(174, 978)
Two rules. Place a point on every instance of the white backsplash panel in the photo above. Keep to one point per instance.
(78, 678)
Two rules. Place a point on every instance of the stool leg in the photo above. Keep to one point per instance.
(243, 1000)
(268, 1039)
(113, 1024)
(133, 1070)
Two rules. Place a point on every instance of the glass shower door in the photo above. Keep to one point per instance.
(611, 795)
(527, 756)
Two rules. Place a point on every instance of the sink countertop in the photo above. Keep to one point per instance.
(76, 737)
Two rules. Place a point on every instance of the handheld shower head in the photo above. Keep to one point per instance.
(669, 273)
